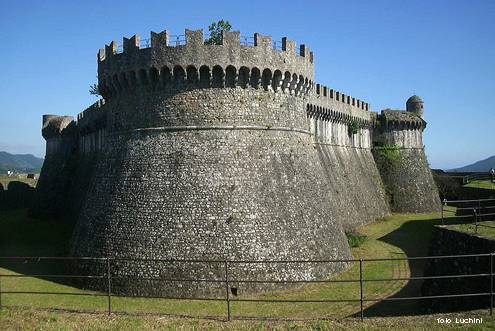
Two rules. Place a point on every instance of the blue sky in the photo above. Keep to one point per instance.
(379, 51)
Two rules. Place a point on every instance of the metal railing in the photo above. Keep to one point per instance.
(179, 40)
(109, 277)
(473, 212)
(476, 176)
(247, 40)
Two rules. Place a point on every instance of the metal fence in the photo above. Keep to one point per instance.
(362, 298)
(180, 40)
(474, 212)
(476, 176)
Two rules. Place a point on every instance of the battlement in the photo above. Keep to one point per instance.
(157, 40)
(92, 118)
(189, 62)
(327, 104)
(400, 120)
(326, 92)
(327, 114)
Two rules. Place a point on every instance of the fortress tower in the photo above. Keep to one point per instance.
(415, 105)
(400, 156)
(219, 152)
(208, 156)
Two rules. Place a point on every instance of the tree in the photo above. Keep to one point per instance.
(94, 90)
(216, 29)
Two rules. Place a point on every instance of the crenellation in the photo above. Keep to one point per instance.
(110, 50)
(230, 39)
(288, 46)
(263, 41)
(194, 38)
(131, 45)
(113, 68)
(159, 40)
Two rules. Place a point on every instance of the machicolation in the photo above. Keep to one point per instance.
(231, 151)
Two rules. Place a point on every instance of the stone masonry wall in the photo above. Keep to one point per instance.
(210, 174)
(447, 241)
(357, 195)
(408, 180)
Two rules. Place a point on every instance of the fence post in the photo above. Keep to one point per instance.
(361, 287)
(226, 265)
(442, 210)
(109, 288)
(475, 221)
(491, 284)
(0, 292)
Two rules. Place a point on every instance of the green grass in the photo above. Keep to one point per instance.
(26, 319)
(486, 184)
(5, 180)
(396, 236)
(485, 229)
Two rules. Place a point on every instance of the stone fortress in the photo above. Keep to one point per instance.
(231, 151)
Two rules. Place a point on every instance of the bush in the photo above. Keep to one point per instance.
(389, 152)
(355, 239)
(354, 127)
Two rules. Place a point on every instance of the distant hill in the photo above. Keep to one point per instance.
(480, 166)
(19, 163)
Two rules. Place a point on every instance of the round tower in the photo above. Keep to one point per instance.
(207, 157)
(415, 105)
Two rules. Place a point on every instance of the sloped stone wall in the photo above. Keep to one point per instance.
(356, 191)
(408, 180)
(243, 182)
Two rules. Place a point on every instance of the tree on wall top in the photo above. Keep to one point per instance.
(216, 29)
(94, 90)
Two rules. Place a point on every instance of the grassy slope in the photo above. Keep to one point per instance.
(395, 236)
(485, 229)
(5, 180)
(481, 230)
(486, 184)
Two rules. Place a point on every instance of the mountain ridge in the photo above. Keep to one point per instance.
(479, 166)
(19, 162)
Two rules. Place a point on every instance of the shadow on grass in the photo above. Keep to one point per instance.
(23, 236)
(413, 238)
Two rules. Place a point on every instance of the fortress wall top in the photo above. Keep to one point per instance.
(53, 125)
(58, 133)
(92, 118)
(336, 106)
(400, 120)
(401, 128)
(134, 63)
(330, 95)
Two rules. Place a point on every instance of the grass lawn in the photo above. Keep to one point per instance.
(485, 229)
(5, 180)
(28, 319)
(395, 236)
(485, 183)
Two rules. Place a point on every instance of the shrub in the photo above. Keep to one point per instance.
(355, 239)
(354, 127)
(389, 152)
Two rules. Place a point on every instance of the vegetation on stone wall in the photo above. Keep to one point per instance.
(390, 153)
(94, 89)
(354, 127)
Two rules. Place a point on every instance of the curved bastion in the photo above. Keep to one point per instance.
(223, 152)
(208, 156)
